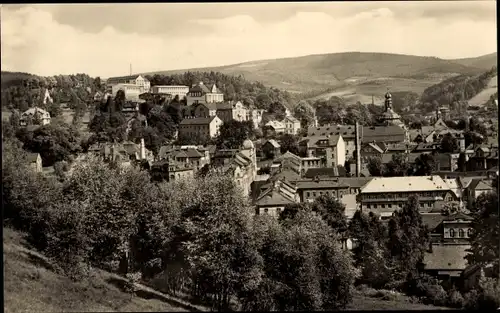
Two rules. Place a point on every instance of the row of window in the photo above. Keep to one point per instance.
(461, 233)
(320, 193)
(398, 195)
(389, 205)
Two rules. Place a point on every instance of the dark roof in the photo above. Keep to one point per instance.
(347, 131)
(324, 172)
(432, 220)
(458, 216)
(447, 257)
(388, 133)
(120, 78)
(197, 121)
(272, 197)
(322, 183)
(313, 141)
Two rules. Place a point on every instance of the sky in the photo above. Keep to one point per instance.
(104, 39)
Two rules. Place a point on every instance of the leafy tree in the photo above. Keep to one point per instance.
(305, 113)
(54, 110)
(332, 211)
(375, 166)
(109, 127)
(233, 133)
(54, 142)
(449, 143)
(398, 166)
(290, 143)
(486, 235)
(408, 240)
(424, 165)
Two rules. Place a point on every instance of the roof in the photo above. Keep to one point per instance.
(432, 220)
(273, 142)
(322, 183)
(323, 172)
(405, 184)
(197, 120)
(33, 111)
(287, 175)
(32, 157)
(121, 78)
(458, 216)
(275, 124)
(483, 185)
(446, 257)
(454, 186)
(291, 119)
(347, 131)
(313, 141)
(272, 197)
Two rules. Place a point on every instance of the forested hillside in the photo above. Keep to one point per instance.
(458, 88)
(233, 87)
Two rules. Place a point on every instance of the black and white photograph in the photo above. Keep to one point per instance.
(250, 156)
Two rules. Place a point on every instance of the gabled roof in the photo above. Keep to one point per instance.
(323, 172)
(405, 184)
(320, 184)
(32, 157)
(291, 119)
(314, 141)
(432, 220)
(273, 142)
(275, 124)
(197, 120)
(272, 197)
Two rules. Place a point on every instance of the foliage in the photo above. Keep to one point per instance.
(449, 143)
(108, 127)
(424, 165)
(398, 166)
(233, 133)
(55, 142)
(375, 166)
(305, 113)
(332, 211)
(290, 143)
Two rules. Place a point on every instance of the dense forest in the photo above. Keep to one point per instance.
(233, 87)
(458, 88)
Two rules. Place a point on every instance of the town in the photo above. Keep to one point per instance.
(204, 185)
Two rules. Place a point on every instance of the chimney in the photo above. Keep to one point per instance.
(357, 143)
(143, 150)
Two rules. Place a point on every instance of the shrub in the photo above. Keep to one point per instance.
(471, 299)
(490, 299)
(132, 280)
(455, 299)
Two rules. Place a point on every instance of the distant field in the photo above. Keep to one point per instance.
(482, 97)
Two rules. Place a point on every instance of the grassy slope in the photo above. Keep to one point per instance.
(30, 285)
(482, 97)
(362, 302)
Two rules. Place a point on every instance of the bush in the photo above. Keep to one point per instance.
(471, 299)
(490, 299)
(455, 299)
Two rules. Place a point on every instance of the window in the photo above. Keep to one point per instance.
(374, 206)
(389, 206)
(429, 205)
(314, 194)
(461, 233)
(308, 194)
(266, 210)
(368, 206)
(278, 210)
(452, 233)
(469, 232)
(382, 206)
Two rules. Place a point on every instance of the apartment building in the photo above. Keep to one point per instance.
(292, 125)
(226, 111)
(200, 127)
(201, 94)
(137, 80)
(131, 91)
(180, 91)
(329, 147)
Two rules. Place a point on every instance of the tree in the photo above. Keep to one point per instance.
(375, 166)
(424, 165)
(486, 231)
(233, 133)
(54, 110)
(449, 143)
(331, 211)
(398, 166)
(290, 143)
(408, 240)
(305, 113)
(54, 142)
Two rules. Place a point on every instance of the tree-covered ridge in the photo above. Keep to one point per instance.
(233, 87)
(458, 88)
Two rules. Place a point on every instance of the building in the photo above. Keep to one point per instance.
(170, 170)
(141, 82)
(273, 200)
(309, 189)
(271, 149)
(98, 96)
(226, 111)
(201, 93)
(35, 161)
(180, 91)
(132, 91)
(277, 126)
(34, 116)
(243, 167)
(197, 157)
(255, 115)
(474, 187)
(292, 125)
(384, 195)
(46, 97)
(331, 148)
(483, 158)
(200, 127)
(389, 117)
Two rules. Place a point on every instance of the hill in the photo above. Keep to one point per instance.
(344, 70)
(484, 62)
(31, 285)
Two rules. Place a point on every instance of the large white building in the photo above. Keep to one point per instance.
(132, 91)
(137, 80)
(201, 94)
(180, 91)
(35, 116)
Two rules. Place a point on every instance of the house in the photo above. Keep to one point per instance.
(380, 134)
(228, 111)
(292, 125)
(34, 116)
(274, 199)
(329, 147)
(98, 96)
(475, 188)
(201, 93)
(170, 170)
(384, 195)
(290, 161)
(46, 97)
(271, 149)
(446, 161)
(243, 167)
(124, 153)
(309, 190)
(197, 157)
(200, 127)
(277, 126)
(35, 161)
(173, 90)
(484, 158)
(255, 115)
(325, 172)
(139, 81)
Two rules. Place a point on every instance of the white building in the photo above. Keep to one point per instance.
(180, 91)
(132, 91)
(201, 93)
(137, 80)
(277, 126)
(201, 127)
(292, 125)
(35, 116)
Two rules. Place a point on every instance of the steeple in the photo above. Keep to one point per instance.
(388, 101)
